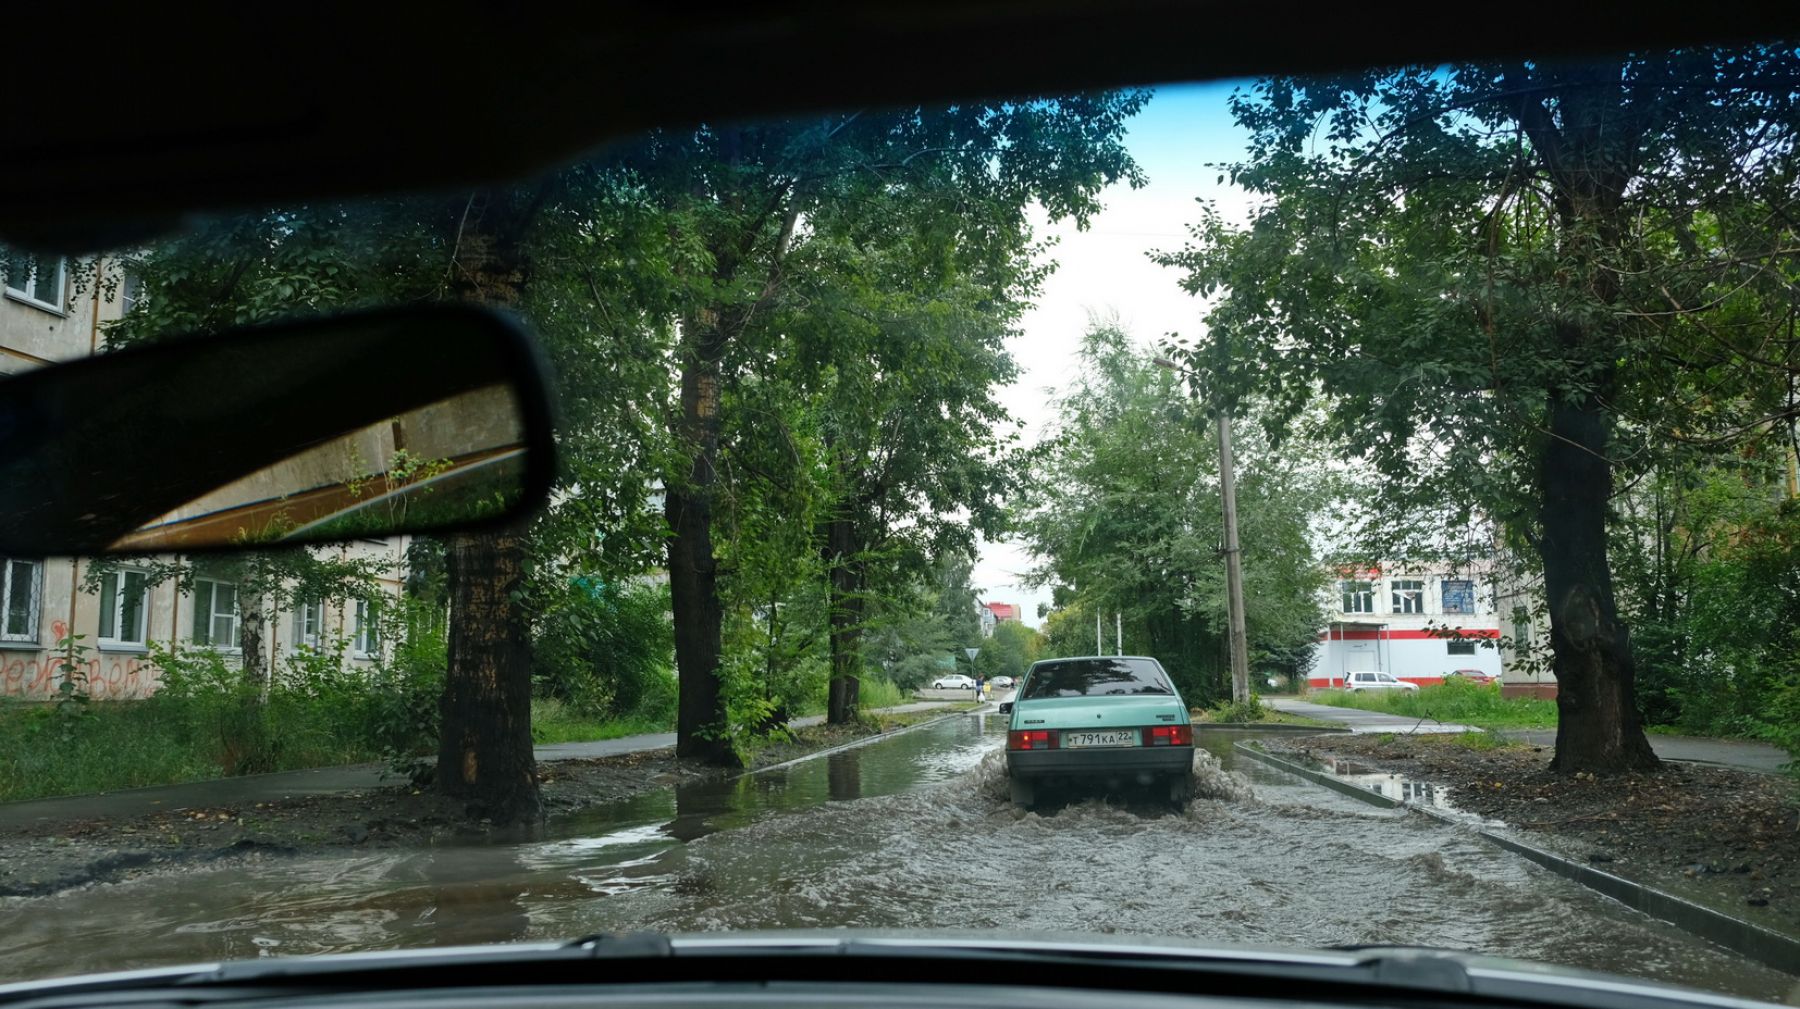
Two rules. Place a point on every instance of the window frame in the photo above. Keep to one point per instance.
(1366, 594)
(1459, 646)
(213, 615)
(115, 643)
(34, 608)
(303, 609)
(366, 642)
(1413, 593)
(24, 295)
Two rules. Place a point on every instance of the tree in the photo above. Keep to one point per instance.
(1516, 283)
(1011, 651)
(1125, 517)
(904, 350)
(739, 199)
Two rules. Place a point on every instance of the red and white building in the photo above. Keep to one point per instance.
(993, 615)
(1416, 624)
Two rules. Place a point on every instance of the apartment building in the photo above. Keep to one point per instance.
(1398, 620)
(47, 316)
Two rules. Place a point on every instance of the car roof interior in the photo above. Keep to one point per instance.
(351, 100)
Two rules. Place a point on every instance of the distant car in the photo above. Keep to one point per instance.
(1475, 676)
(1001, 682)
(1107, 720)
(955, 681)
(1358, 682)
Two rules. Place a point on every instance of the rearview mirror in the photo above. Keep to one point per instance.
(1006, 707)
(368, 424)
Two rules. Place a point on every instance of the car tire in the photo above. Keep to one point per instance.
(1024, 793)
(1181, 790)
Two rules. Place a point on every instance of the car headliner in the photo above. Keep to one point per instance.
(160, 117)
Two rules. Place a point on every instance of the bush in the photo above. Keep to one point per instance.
(607, 652)
(877, 692)
(1251, 710)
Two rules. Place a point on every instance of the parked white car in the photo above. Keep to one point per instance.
(1001, 682)
(1356, 682)
(956, 681)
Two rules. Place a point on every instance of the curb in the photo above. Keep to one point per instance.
(1762, 944)
(1318, 777)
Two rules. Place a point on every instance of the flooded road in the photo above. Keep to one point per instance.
(913, 831)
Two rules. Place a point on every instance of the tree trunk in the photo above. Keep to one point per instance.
(700, 721)
(484, 747)
(251, 639)
(1597, 726)
(484, 752)
(846, 576)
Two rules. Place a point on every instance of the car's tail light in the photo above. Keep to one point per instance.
(1031, 739)
(1169, 735)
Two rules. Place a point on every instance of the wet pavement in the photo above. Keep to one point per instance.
(913, 830)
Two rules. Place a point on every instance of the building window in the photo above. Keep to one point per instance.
(309, 623)
(1459, 647)
(1409, 595)
(37, 280)
(1358, 597)
(131, 290)
(215, 613)
(1459, 595)
(124, 597)
(21, 591)
(368, 634)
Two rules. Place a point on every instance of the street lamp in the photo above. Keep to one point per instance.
(1234, 567)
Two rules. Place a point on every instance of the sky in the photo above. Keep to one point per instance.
(1106, 271)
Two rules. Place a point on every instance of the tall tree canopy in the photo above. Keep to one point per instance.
(1124, 513)
(1518, 284)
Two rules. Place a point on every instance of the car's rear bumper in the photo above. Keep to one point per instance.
(1121, 763)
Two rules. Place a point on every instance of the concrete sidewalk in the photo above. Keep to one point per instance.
(250, 789)
(1360, 721)
(1743, 754)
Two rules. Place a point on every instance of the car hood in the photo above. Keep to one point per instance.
(1089, 712)
(896, 957)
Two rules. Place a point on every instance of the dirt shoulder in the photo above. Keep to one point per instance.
(43, 860)
(1723, 837)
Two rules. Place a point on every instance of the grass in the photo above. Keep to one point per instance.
(131, 744)
(1465, 703)
(1268, 716)
(555, 722)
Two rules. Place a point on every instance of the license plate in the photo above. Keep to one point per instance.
(1113, 737)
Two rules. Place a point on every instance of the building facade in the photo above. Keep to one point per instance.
(45, 318)
(1416, 624)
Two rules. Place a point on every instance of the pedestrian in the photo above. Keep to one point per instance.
(979, 682)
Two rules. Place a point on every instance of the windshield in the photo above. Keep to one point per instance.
(1474, 381)
(1094, 678)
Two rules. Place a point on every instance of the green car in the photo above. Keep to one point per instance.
(1107, 722)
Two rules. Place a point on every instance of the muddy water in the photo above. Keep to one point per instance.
(913, 831)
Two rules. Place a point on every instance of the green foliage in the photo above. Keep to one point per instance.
(552, 721)
(1123, 512)
(606, 652)
(880, 693)
(1453, 701)
(1010, 651)
(1252, 710)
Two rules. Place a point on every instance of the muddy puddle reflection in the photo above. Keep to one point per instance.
(913, 831)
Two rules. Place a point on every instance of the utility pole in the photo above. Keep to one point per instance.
(1118, 634)
(1234, 564)
(1099, 642)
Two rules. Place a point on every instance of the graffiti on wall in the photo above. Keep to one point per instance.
(36, 676)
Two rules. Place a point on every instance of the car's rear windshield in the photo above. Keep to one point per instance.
(1095, 678)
